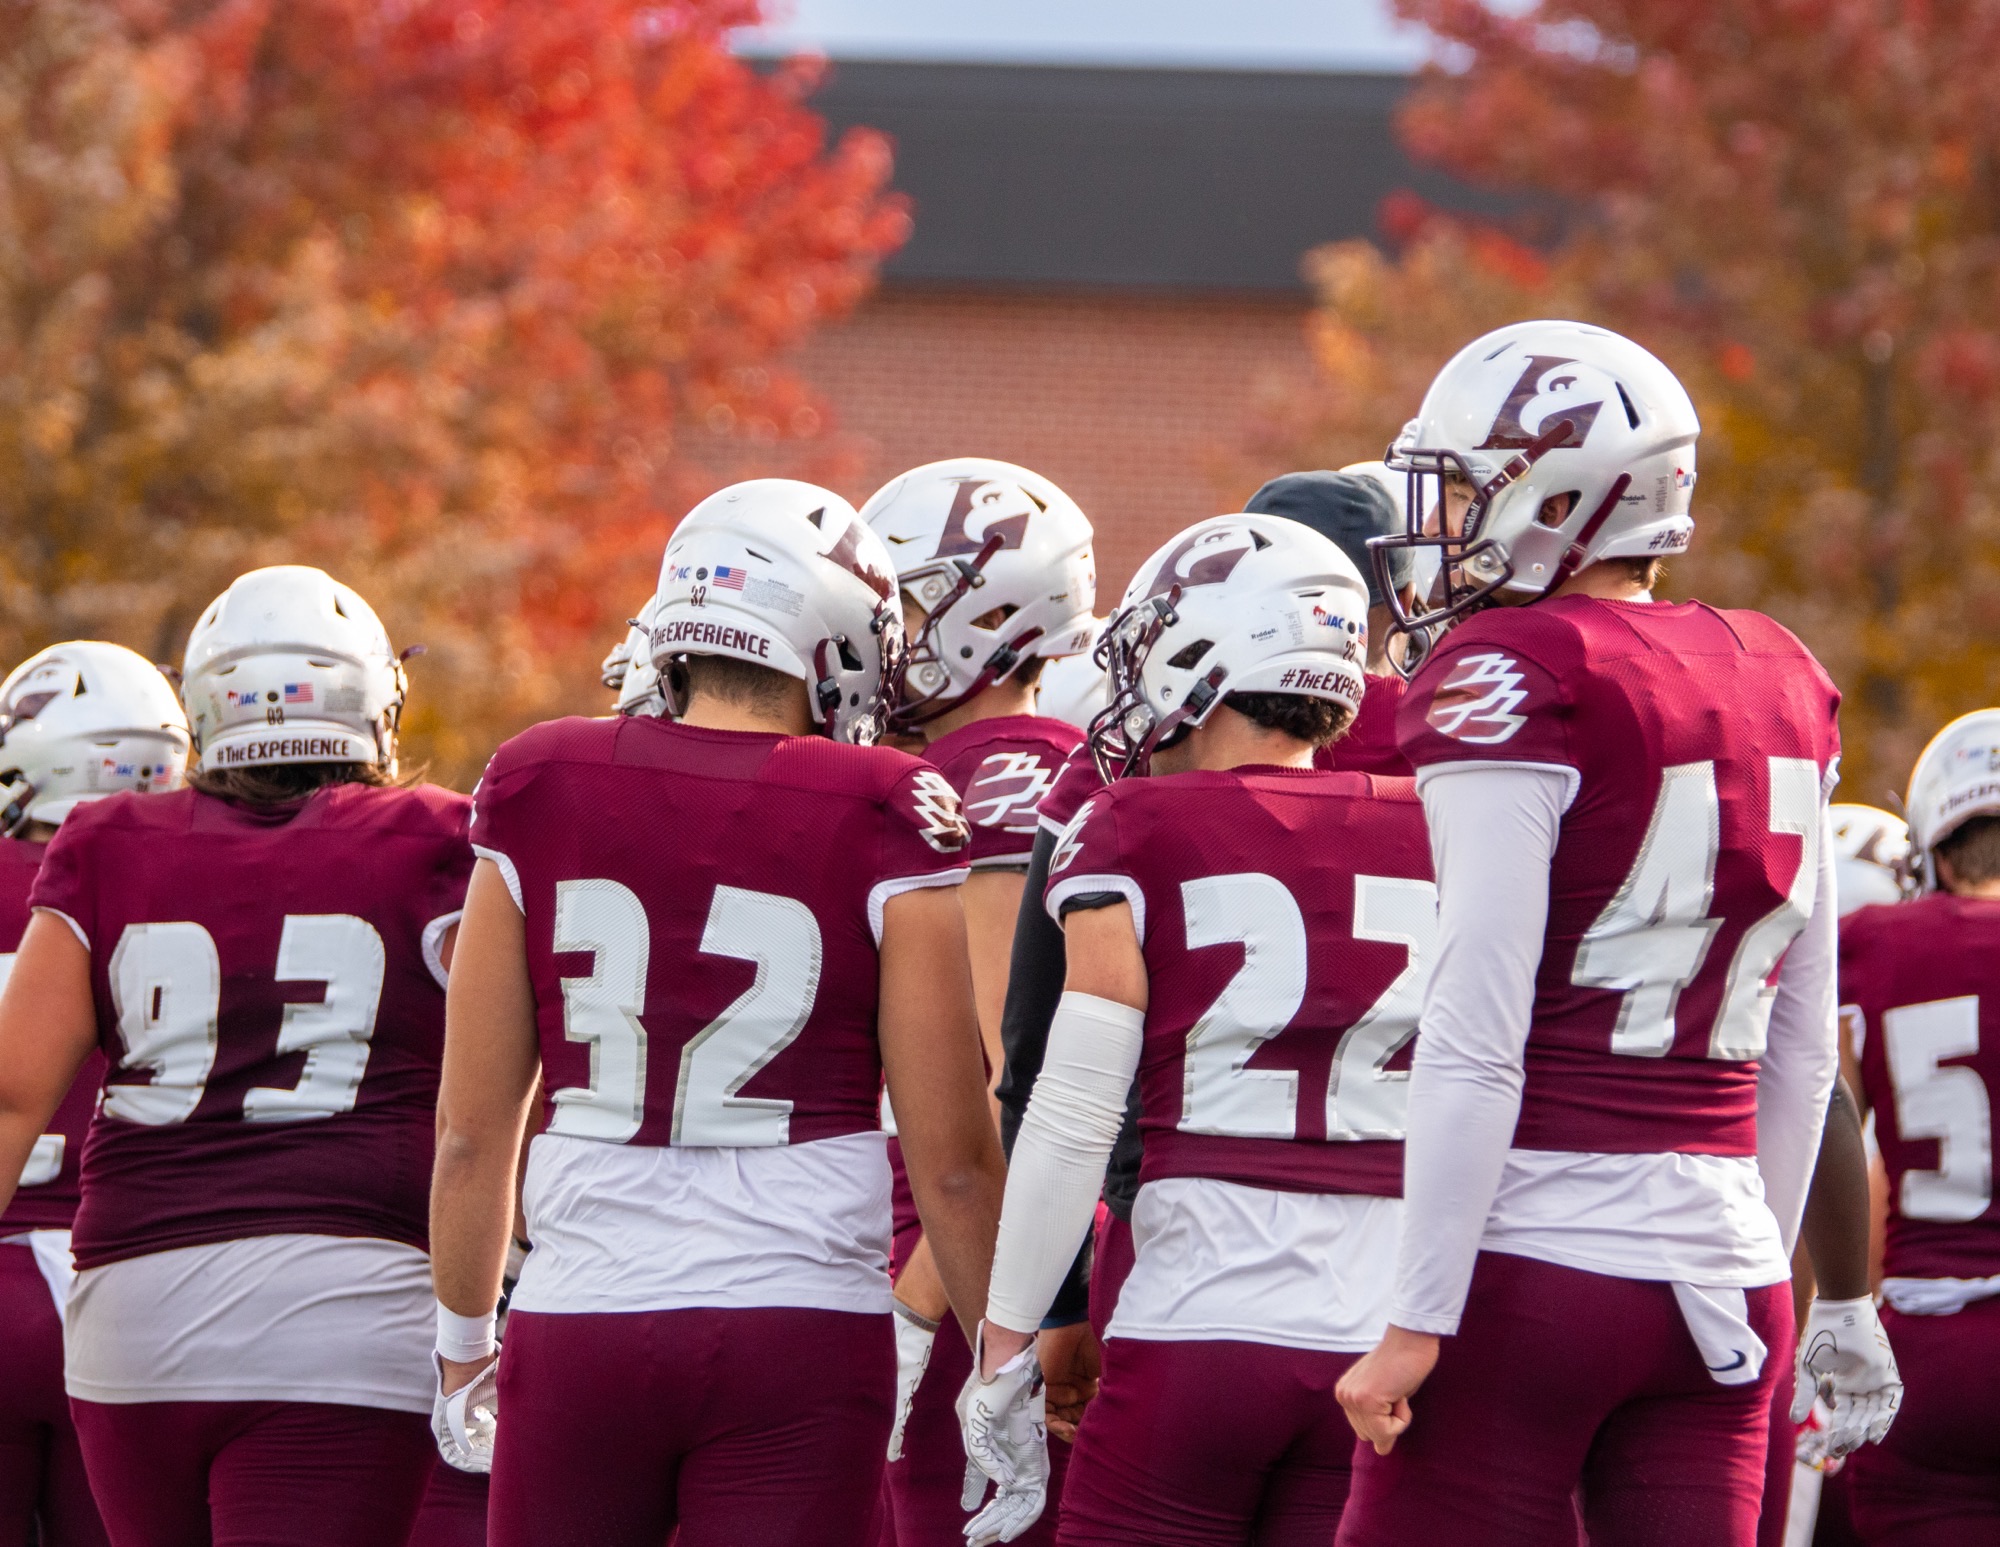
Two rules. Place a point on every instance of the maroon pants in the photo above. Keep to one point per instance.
(1563, 1383)
(750, 1428)
(1207, 1444)
(1935, 1481)
(1780, 1461)
(42, 1482)
(453, 1513)
(255, 1474)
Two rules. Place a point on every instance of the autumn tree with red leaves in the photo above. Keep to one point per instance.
(432, 294)
(1797, 204)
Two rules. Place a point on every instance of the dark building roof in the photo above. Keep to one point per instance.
(1188, 179)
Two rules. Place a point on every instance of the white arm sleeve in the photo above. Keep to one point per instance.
(1801, 1055)
(1493, 833)
(1057, 1172)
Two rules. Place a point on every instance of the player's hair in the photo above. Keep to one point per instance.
(1318, 722)
(274, 784)
(1644, 570)
(742, 683)
(1973, 850)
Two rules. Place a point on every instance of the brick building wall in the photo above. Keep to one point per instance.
(1139, 405)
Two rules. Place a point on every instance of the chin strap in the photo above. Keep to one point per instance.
(1575, 555)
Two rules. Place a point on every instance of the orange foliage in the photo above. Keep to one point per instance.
(1794, 202)
(431, 292)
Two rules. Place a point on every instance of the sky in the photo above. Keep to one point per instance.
(1281, 34)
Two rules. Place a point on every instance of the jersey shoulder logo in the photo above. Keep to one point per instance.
(1069, 842)
(1478, 700)
(1005, 791)
(940, 822)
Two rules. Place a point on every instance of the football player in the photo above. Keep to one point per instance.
(1871, 856)
(1628, 1043)
(78, 722)
(1352, 508)
(1920, 993)
(997, 577)
(261, 958)
(714, 934)
(1248, 937)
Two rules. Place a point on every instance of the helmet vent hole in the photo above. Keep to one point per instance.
(338, 610)
(994, 617)
(1631, 413)
(756, 555)
(1500, 351)
(1036, 500)
(848, 659)
(80, 690)
(1190, 656)
(1259, 542)
(818, 517)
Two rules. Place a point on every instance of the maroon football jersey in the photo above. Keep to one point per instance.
(1076, 781)
(703, 910)
(1370, 745)
(1002, 768)
(1288, 918)
(1922, 979)
(1699, 745)
(46, 1199)
(270, 998)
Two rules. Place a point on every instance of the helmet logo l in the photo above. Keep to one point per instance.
(1545, 385)
(970, 495)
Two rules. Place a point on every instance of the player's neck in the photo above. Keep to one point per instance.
(1606, 582)
(36, 832)
(1003, 698)
(793, 717)
(1982, 891)
(1230, 740)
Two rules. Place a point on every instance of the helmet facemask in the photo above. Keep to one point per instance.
(920, 688)
(1124, 735)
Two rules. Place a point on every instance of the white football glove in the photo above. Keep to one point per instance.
(1845, 1360)
(914, 1336)
(466, 1422)
(1004, 1422)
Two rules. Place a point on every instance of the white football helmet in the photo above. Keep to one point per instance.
(1234, 604)
(1074, 688)
(1000, 561)
(290, 666)
(785, 575)
(83, 720)
(1871, 856)
(628, 670)
(1957, 778)
(1529, 413)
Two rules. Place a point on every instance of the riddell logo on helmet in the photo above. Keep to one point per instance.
(1542, 396)
(690, 631)
(1476, 701)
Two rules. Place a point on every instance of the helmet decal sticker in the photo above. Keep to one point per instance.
(847, 554)
(1477, 701)
(977, 516)
(1202, 558)
(1539, 397)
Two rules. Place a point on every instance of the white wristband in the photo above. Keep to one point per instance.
(464, 1339)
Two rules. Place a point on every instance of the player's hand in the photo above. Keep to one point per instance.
(1377, 1388)
(465, 1412)
(1004, 1422)
(1845, 1360)
(1071, 1364)
(915, 1333)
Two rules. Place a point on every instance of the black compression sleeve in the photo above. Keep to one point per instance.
(1034, 988)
